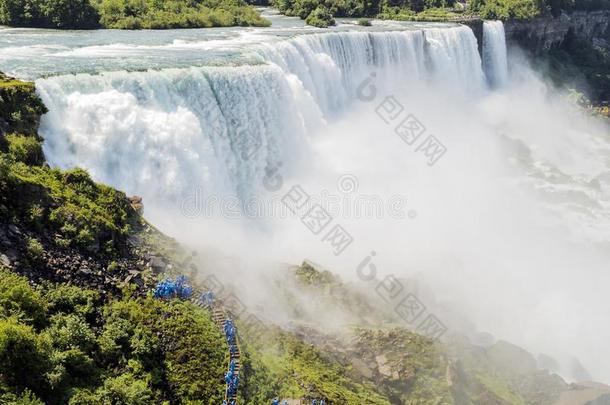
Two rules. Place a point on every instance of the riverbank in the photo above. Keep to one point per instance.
(123, 14)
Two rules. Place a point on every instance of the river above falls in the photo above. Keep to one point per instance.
(35, 53)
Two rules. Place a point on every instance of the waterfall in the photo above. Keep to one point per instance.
(221, 127)
(495, 61)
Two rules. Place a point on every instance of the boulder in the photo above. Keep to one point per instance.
(5, 261)
(136, 204)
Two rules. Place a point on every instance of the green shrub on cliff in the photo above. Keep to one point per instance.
(56, 343)
(577, 63)
(183, 337)
(20, 107)
(25, 149)
(90, 216)
(19, 301)
(278, 364)
(24, 357)
(125, 389)
(83, 214)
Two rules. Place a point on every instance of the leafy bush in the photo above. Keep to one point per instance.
(24, 356)
(71, 332)
(19, 301)
(68, 299)
(185, 338)
(139, 352)
(508, 9)
(320, 17)
(365, 22)
(150, 14)
(26, 149)
(125, 389)
(279, 364)
(71, 368)
(90, 216)
(20, 107)
(26, 398)
(435, 14)
(34, 251)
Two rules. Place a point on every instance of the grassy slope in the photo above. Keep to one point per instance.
(379, 364)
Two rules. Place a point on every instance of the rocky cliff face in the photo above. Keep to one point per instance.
(542, 33)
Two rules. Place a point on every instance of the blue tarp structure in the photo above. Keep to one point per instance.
(207, 298)
(173, 289)
(231, 378)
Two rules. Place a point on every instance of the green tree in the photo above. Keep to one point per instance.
(18, 300)
(24, 357)
(320, 17)
(125, 389)
(71, 14)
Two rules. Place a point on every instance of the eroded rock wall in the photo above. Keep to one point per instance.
(542, 33)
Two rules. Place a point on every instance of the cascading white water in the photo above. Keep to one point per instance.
(170, 129)
(495, 62)
(221, 127)
(482, 237)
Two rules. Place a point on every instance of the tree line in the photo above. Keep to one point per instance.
(128, 14)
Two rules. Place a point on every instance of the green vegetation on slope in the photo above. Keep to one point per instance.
(81, 213)
(413, 367)
(526, 9)
(68, 204)
(65, 345)
(128, 14)
(278, 364)
(578, 63)
(20, 107)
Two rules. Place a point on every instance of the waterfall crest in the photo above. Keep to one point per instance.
(221, 127)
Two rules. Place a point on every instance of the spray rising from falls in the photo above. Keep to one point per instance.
(221, 127)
